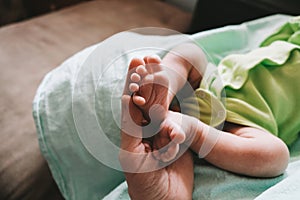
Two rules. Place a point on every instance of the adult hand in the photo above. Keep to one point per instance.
(174, 181)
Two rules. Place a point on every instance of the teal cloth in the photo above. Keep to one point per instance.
(212, 183)
(215, 184)
(58, 113)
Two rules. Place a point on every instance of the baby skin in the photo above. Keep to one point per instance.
(150, 87)
(153, 82)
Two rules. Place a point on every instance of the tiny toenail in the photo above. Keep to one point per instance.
(155, 57)
(141, 69)
(133, 87)
(135, 77)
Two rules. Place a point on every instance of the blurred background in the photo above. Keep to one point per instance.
(36, 36)
(18, 10)
(206, 14)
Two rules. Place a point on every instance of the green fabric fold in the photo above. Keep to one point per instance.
(262, 87)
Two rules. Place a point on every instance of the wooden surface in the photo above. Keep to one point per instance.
(29, 50)
(17, 10)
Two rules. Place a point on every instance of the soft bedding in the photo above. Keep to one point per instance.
(63, 101)
(212, 183)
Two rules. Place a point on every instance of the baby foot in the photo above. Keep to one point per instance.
(166, 143)
(136, 115)
(150, 85)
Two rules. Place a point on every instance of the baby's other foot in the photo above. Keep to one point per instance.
(166, 142)
(150, 87)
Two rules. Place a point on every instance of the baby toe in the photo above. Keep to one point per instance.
(146, 59)
(170, 154)
(177, 136)
(141, 70)
(135, 62)
(133, 87)
(135, 77)
(138, 100)
(156, 155)
(153, 59)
